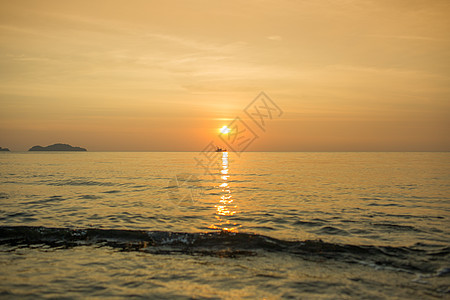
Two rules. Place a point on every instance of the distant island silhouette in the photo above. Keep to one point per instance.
(57, 147)
(4, 149)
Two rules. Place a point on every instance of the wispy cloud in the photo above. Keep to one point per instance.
(406, 37)
(274, 38)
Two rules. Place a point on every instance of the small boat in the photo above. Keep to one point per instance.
(221, 149)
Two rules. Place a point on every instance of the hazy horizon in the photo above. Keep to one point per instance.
(240, 153)
(349, 76)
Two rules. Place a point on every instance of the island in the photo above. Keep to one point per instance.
(4, 149)
(57, 147)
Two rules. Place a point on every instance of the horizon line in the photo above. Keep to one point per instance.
(274, 151)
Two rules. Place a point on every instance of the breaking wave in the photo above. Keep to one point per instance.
(414, 259)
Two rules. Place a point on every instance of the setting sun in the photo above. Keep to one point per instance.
(225, 130)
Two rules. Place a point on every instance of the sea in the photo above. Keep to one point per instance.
(224, 225)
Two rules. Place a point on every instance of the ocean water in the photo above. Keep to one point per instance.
(189, 225)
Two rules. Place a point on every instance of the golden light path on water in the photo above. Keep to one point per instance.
(226, 206)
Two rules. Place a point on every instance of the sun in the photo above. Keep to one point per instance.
(225, 130)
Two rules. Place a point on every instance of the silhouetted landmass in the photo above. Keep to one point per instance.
(4, 149)
(57, 147)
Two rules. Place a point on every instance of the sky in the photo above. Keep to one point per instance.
(367, 75)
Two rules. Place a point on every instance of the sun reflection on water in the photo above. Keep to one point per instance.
(226, 208)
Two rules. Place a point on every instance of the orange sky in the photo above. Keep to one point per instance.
(166, 75)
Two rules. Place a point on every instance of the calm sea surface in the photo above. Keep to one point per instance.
(223, 226)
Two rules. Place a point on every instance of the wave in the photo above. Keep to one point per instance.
(80, 182)
(419, 258)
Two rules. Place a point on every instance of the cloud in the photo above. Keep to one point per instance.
(274, 38)
(406, 37)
